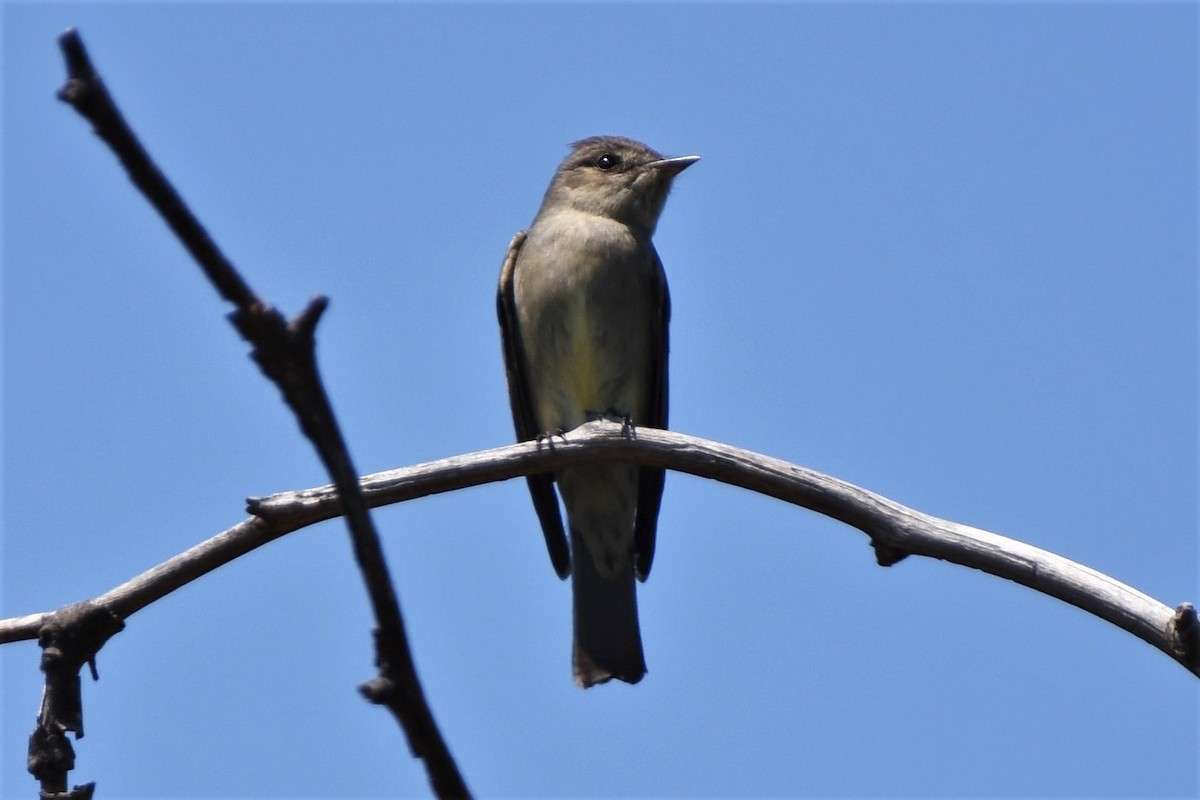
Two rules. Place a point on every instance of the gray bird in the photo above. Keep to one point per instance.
(584, 309)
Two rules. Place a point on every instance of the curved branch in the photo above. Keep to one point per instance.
(895, 530)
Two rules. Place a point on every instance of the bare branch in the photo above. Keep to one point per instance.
(69, 638)
(86, 93)
(895, 529)
(285, 352)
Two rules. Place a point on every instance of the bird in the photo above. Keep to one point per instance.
(584, 313)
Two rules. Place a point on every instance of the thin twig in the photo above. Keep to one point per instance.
(285, 351)
(69, 638)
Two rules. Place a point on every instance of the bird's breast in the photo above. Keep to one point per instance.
(583, 289)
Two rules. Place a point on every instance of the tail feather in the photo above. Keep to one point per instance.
(608, 640)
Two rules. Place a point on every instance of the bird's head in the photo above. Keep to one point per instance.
(618, 178)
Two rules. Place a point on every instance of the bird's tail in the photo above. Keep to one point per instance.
(608, 640)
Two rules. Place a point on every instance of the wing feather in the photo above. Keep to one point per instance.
(651, 480)
(541, 486)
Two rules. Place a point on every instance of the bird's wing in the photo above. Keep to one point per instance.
(650, 480)
(541, 486)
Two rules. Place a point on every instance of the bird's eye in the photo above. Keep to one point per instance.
(608, 161)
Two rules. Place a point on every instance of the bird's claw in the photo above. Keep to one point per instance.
(548, 436)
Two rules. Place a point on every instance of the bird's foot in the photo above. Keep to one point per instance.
(548, 436)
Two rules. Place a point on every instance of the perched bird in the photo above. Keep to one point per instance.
(584, 309)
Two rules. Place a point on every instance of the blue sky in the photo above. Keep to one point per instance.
(947, 252)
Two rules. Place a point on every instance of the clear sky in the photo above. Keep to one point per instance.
(947, 252)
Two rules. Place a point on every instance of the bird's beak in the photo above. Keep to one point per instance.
(673, 166)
